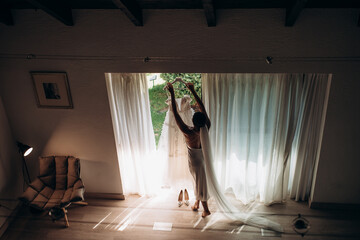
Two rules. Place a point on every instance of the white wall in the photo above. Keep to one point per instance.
(85, 131)
(338, 180)
(11, 178)
(191, 46)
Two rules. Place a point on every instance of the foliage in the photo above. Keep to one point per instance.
(180, 88)
(158, 108)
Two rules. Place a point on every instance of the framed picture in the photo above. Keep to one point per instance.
(52, 89)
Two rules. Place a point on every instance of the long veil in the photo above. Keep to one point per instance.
(222, 202)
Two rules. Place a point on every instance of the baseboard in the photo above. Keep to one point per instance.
(334, 206)
(9, 219)
(115, 196)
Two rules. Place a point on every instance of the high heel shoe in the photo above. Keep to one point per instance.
(180, 199)
(186, 197)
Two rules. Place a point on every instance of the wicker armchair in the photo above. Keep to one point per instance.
(57, 186)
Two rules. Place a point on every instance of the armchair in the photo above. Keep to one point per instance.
(58, 185)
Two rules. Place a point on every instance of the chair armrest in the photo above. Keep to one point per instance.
(32, 191)
(78, 191)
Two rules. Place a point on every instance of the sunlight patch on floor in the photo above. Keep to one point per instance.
(269, 233)
(162, 226)
(122, 221)
(102, 220)
(130, 218)
(166, 203)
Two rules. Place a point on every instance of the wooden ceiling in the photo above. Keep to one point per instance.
(62, 9)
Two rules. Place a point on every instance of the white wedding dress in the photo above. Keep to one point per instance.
(172, 147)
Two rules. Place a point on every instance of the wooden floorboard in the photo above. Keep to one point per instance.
(134, 218)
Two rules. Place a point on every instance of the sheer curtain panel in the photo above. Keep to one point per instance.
(257, 119)
(307, 142)
(133, 130)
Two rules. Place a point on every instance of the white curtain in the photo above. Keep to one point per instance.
(257, 119)
(307, 142)
(133, 130)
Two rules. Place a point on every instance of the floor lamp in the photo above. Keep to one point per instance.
(24, 151)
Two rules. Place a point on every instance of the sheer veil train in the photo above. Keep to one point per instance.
(222, 202)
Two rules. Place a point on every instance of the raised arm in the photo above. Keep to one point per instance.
(183, 127)
(190, 86)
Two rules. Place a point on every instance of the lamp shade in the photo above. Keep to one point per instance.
(24, 149)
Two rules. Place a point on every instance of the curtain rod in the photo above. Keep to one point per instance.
(268, 59)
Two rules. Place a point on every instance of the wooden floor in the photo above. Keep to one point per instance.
(134, 218)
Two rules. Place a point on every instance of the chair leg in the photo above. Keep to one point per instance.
(66, 218)
(80, 203)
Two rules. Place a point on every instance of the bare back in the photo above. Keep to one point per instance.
(192, 138)
(191, 134)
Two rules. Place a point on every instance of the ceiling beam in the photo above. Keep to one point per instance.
(56, 9)
(131, 9)
(6, 16)
(209, 12)
(293, 12)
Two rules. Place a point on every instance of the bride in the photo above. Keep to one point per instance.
(200, 164)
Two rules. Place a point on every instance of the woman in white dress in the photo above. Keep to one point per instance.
(172, 146)
(201, 164)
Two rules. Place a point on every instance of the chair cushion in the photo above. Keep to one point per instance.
(39, 201)
(59, 183)
(37, 185)
(73, 171)
(58, 194)
(55, 199)
(61, 172)
(47, 192)
(29, 195)
(47, 171)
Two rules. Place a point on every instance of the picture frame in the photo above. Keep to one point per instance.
(52, 89)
